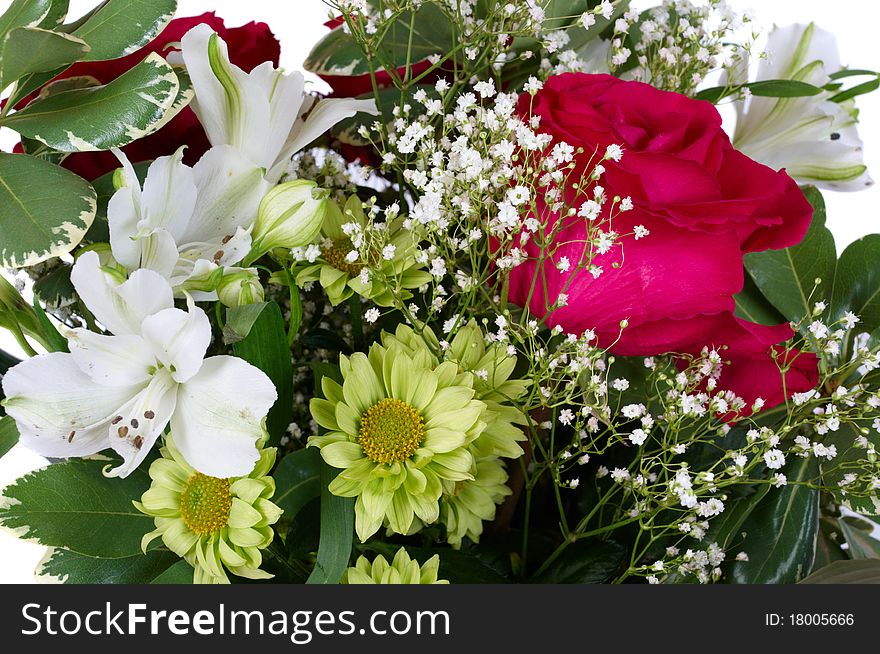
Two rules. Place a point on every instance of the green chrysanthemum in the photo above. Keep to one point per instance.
(466, 504)
(370, 279)
(399, 427)
(402, 570)
(214, 524)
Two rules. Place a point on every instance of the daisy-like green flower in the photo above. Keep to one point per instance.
(399, 427)
(214, 524)
(402, 570)
(465, 505)
(386, 262)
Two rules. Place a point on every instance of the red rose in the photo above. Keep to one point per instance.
(249, 46)
(704, 204)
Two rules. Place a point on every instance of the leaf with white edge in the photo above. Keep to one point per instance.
(119, 27)
(71, 568)
(24, 13)
(28, 50)
(45, 210)
(99, 118)
(862, 545)
(56, 15)
(74, 506)
(8, 434)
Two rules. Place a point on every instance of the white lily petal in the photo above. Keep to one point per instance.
(123, 219)
(138, 424)
(232, 106)
(218, 417)
(112, 360)
(59, 410)
(230, 189)
(324, 115)
(179, 339)
(121, 308)
(235, 249)
(286, 100)
(169, 193)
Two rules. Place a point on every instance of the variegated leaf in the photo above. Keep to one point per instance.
(27, 50)
(44, 210)
(128, 108)
(24, 13)
(119, 27)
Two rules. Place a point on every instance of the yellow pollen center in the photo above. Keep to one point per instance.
(335, 256)
(205, 503)
(391, 431)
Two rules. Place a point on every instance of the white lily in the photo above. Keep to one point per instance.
(265, 113)
(814, 139)
(186, 222)
(121, 391)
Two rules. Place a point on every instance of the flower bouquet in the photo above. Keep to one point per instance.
(506, 304)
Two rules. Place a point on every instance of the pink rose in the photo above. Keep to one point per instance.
(704, 205)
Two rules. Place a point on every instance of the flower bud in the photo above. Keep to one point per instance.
(240, 286)
(290, 215)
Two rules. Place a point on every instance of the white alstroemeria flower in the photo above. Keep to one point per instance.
(265, 113)
(121, 391)
(814, 139)
(185, 222)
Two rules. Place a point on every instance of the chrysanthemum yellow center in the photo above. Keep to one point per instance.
(205, 503)
(391, 431)
(336, 255)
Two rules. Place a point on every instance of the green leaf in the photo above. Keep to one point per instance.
(56, 15)
(862, 545)
(584, 562)
(55, 342)
(8, 435)
(772, 88)
(828, 543)
(74, 506)
(55, 288)
(119, 27)
(865, 571)
(29, 50)
(752, 305)
(780, 532)
(266, 347)
(297, 481)
(44, 210)
(179, 573)
(857, 283)
(849, 458)
(787, 277)
(337, 533)
(130, 107)
(24, 13)
(73, 568)
(859, 89)
(852, 72)
(347, 129)
(338, 53)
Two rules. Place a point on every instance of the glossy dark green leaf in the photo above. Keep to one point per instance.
(119, 27)
(297, 481)
(74, 506)
(54, 341)
(55, 287)
(24, 13)
(865, 571)
(265, 346)
(787, 277)
(45, 210)
(8, 435)
(828, 543)
(780, 533)
(584, 562)
(338, 54)
(98, 118)
(857, 283)
(862, 545)
(73, 568)
(753, 306)
(325, 340)
(337, 533)
(57, 14)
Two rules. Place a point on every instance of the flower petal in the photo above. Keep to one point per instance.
(112, 360)
(218, 417)
(179, 339)
(59, 410)
(121, 308)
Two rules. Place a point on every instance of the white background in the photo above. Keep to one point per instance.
(298, 24)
